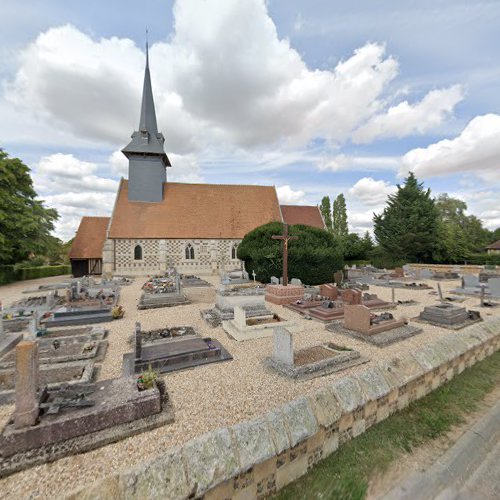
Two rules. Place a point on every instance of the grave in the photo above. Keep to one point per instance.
(50, 423)
(310, 362)
(171, 354)
(235, 277)
(448, 316)
(330, 310)
(380, 330)
(191, 281)
(162, 292)
(406, 286)
(445, 275)
(242, 328)
(250, 298)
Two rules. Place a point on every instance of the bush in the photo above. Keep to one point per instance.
(380, 259)
(8, 274)
(31, 273)
(313, 258)
(483, 258)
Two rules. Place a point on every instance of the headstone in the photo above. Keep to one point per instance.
(138, 341)
(78, 288)
(33, 325)
(254, 275)
(240, 317)
(393, 294)
(357, 318)
(399, 272)
(295, 281)
(338, 277)
(26, 412)
(51, 300)
(283, 346)
(274, 280)
(494, 284)
(470, 281)
(68, 295)
(440, 293)
(425, 274)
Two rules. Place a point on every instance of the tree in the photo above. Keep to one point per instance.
(313, 258)
(25, 223)
(408, 228)
(462, 235)
(326, 211)
(339, 218)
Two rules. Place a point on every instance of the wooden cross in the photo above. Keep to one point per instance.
(285, 238)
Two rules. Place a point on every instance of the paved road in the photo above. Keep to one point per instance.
(469, 470)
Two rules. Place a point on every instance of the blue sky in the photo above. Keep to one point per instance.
(315, 97)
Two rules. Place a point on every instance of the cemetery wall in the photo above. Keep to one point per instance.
(258, 457)
(443, 268)
(158, 254)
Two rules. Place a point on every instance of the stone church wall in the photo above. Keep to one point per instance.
(208, 256)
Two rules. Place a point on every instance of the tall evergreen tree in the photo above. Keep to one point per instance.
(408, 228)
(339, 218)
(25, 223)
(326, 211)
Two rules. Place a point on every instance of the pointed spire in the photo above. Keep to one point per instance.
(148, 114)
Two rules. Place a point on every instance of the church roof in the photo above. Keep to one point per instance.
(195, 211)
(89, 238)
(302, 214)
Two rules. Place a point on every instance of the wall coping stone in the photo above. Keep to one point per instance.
(429, 357)
(277, 428)
(210, 459)
(300, 420)
(325, 406)
(348, 392)
(373, 383)
(402, 370)
(253, 440)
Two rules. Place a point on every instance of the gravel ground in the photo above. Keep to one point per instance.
(209, 396)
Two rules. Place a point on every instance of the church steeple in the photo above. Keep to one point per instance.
(145, 152)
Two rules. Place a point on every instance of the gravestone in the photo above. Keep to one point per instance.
(295, 281)
(494, 284)
(240, 317)
(338, 277)
(283, 346)
(26, 412)
(357, 318)
(470, 281)
(274, 280)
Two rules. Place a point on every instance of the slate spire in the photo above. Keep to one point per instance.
(147, 139)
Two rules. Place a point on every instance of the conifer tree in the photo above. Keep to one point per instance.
(326, 211)
(339, 218)
(408, 228)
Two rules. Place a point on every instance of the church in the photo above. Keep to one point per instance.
(156, 224)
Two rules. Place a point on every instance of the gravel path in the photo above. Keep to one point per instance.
(209, 396)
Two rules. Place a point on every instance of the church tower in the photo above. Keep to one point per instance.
(148, 162)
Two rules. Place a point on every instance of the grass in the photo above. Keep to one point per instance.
(345, 474)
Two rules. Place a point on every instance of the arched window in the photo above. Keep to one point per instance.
(138, 252)
(189, 251)
(234, 251)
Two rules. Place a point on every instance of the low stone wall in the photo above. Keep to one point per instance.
(443, 268)
(258, 457)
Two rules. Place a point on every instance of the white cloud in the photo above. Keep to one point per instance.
(407, 119)
(359, 163)
(371, 192)
(118, 163)
(287, 195)
(224, 78)
(476, 150)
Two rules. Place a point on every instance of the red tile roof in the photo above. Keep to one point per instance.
(302, 214)
(89, 238)
(195, 211)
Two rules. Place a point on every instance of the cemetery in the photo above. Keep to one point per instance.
(163, 291)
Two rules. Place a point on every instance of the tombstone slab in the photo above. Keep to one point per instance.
(283, 346)
(26, 412)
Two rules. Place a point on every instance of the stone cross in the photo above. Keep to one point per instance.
(283, 346)
(253, 274)
(26, 411)
(285, 238)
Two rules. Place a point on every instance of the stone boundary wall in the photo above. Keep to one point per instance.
(258, 457)
(442, 268)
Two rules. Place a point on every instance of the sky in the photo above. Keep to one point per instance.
(316, 97)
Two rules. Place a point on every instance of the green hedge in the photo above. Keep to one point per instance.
(8, 274)
(482, 258)
(357, 263)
